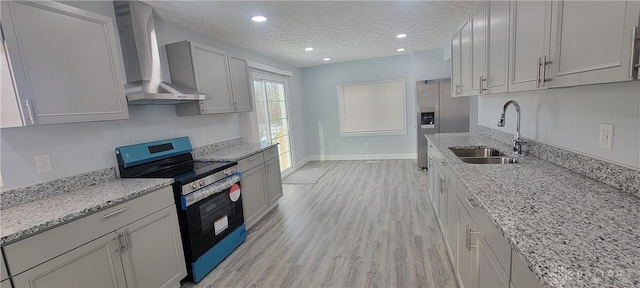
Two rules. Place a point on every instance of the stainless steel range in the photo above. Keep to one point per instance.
(208, 199)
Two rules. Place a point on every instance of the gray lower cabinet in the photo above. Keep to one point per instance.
(489, 272)
(254, 198)
(442, 204)
(151, 250)
(261, 184)
(6, 284)
(65, 63)
(139, 246)
(274, 180)
(453, 218)
(95, 264)
(465, 272)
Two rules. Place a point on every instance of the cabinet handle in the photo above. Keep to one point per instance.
(27, 104)
(544, 70)
(125, 241)
(443, 185)
(633, 51)
(120, 242)
(105, 216)
(443, 163)
(538, 73)
(482, 80)
(457, 87)
(251, 159)
(469, 202)
(470, 232)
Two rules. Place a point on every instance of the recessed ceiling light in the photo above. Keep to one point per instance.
(400, 49)
(308, 49)
(326, 59)
(258, 18)
(401, 35)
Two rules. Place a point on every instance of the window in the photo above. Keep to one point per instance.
(272, 114)
(376, 108)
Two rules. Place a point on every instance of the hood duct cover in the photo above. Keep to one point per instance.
(142, 59)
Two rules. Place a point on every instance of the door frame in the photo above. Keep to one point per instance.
(259, 75)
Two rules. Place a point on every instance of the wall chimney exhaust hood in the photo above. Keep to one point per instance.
(142, 59)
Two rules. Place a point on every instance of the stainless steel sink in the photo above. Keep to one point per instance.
(488, 160)
(476, 152)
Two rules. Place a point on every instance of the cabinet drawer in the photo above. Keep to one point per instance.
(4, 274)
(39, 248)
(270, 153)
(249, 162)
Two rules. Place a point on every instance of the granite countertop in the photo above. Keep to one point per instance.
(571, 230)
(234, 152)
(29, 218)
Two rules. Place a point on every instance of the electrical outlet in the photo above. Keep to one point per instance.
(366, 145)
(204, 135)
(606, 136)
(43, 163)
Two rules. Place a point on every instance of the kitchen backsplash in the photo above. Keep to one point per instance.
(617, 176)
(199, 151)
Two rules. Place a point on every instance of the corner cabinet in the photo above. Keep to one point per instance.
(592, 42)
(214, 72)
(133, 244)
(65, 63)
(261, 184)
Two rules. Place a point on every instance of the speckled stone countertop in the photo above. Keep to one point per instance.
(29, 218)
(572, 231)
(234, 152)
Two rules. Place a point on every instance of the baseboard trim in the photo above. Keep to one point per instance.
(362, 157)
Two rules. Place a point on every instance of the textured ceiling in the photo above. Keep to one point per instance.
(341, 30)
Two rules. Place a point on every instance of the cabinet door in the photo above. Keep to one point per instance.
(453, 219)
(497, 46)
(466, 260)
(274, 180)
(521, 275)
(65, 63)
(456, 66)
(10, 110)
(489, 272)
(152, 253)
(465, 59)
(240, 84)
(212, 77)
(254, 194)
(592, 42)
(95, 264)
(478, 50)
(430, 172)
(437, 190)
(6, 284)
(529, 44)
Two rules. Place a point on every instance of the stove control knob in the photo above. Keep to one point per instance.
(194, 185)
(232, 171)
(201, 182)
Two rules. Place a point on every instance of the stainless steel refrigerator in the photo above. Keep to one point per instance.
(438, 112)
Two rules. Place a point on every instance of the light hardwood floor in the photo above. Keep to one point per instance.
(360, 225)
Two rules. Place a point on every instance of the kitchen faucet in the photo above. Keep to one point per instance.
(517, 141)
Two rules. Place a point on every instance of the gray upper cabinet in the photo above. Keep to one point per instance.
(95, 264)
(240, 84)
(456, 69)
(11, 115)
(529, 44)
(497, 46)
(65, 63)
(465, 58)
(204, 69)
(592, 42)
(478, 50)
(211, 71)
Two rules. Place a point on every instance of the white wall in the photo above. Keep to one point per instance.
(83, 147)
(570, 118)
(319, 89)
